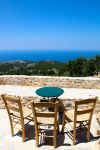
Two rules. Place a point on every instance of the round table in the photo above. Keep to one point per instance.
(49, 92)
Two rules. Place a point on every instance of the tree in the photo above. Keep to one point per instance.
(97, 64)
(89, 68)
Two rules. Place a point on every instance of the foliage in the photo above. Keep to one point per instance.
(79, 67)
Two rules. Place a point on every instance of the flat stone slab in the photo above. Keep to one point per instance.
(69, 93)
(63, 141)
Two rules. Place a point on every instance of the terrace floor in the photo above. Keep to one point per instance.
(63, 140)
(69, 93)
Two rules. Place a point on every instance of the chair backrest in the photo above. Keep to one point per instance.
(13, 105)
(45, 114)
(85, 107)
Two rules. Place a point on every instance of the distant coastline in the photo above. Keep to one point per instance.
(80, 67)
(39, 55)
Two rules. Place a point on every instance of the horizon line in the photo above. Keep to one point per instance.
(49, 49)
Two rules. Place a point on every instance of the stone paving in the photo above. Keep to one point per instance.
(69, 93)
(63, 141)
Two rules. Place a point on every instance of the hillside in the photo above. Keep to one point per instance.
(30, 68)
(79, 67)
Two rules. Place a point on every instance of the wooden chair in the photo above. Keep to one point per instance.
(16, 113)
(98, 111)
(45, 118)
(81, 114)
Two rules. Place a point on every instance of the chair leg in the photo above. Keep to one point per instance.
(37, 136)
(54, 139)
(23, 133)
(37, 140)
(88, 133)
(74, 137)
(74, 134)
(11, 125)
(12, 130)
(63, 124)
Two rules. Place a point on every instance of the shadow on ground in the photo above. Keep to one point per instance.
(62, 138)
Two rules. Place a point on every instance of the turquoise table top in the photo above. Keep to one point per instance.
(49, 91)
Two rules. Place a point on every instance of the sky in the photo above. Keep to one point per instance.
(50, 24)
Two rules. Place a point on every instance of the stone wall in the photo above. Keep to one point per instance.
(64, 82)
(39, 81)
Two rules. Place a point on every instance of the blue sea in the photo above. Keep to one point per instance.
(37, 55)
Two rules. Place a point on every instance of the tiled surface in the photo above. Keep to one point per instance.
(63, 141)
(69, 93)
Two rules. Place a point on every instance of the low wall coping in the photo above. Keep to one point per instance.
(72, 78)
